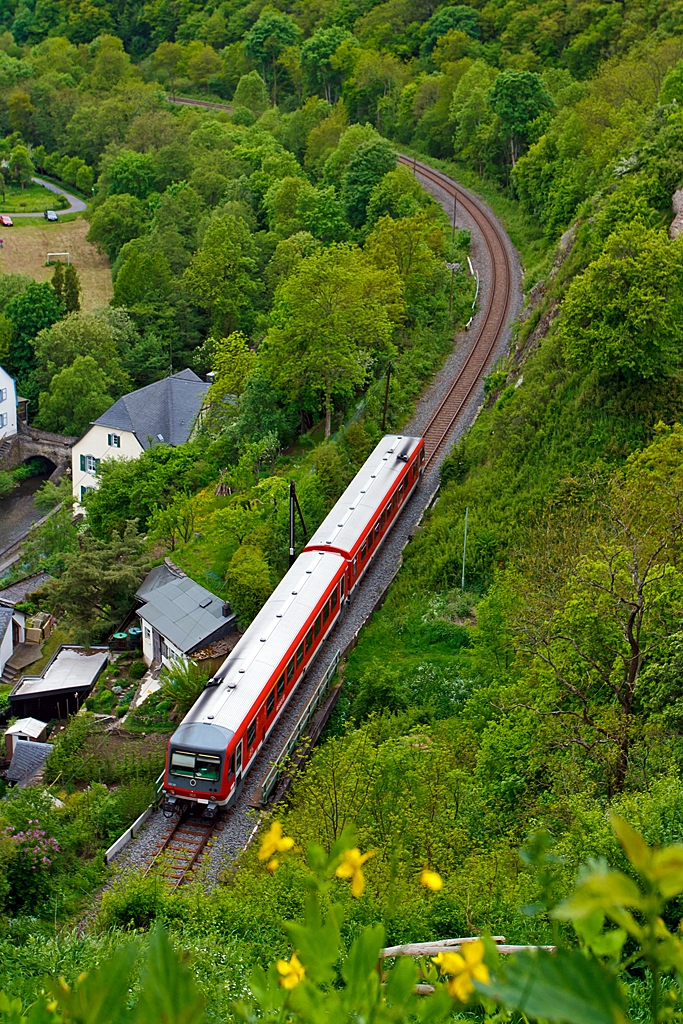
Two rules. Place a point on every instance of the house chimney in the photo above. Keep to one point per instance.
(226, 609)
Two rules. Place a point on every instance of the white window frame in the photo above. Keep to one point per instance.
(114, 440)
(3, 394)
(4, 419)
(91, 464)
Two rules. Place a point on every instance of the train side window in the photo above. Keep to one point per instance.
(299, 655)
(281, 687)
(251, 734)
(318, 624)
(355, 565)
(388, 510)
(333, 599)
(290, 671)
(270, 703)
(362, 551)
(400, 491)
(326, 611)
(370, 539)
(377, 529)
(422, 455)
(231, 765)
(309, 640)
(341, 587)
(393, 501)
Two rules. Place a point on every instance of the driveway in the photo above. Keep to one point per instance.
(77, 205)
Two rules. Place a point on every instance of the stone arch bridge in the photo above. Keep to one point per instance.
(29, 442)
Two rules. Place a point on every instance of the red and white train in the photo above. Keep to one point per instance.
(215, 745)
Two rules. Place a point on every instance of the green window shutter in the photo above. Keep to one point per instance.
(97, 462)
(82, 463)
(109, 439)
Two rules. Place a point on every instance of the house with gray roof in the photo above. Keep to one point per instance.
(166, 412)
(178, 617)
(13, 620)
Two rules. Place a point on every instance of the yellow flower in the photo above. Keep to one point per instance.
(350, 867)
(463, 967)
(274, 842)
(291, 972)
(52, 1006)
(431, 880)
(273, 865)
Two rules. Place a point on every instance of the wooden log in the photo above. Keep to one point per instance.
(451, 946)
(427, 948)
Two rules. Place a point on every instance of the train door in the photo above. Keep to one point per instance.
(238, 766)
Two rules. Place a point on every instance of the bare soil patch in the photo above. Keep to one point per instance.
(26, 247)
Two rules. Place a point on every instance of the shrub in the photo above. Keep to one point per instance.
(183, 682)
(137, 669)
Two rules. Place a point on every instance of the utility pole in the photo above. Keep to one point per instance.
(386, 398)
(455, 200)
(464, 550)
(294, 507)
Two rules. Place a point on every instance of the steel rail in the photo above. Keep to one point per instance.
(494, 318)
(196, 836)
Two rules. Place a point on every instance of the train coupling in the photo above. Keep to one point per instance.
(169, 806)
(210, 811)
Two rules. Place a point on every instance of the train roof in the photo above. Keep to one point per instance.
(365, 495)
(248, 668)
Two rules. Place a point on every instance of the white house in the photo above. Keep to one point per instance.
(8, 405)
(13, 620)
(163, 412)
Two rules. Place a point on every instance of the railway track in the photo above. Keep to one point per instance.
(492, 321)
(181, 848)
(176, 847)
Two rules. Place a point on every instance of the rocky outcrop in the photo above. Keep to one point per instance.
(676, 228)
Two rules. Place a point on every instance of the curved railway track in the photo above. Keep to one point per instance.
(177, 847)
(492, 319)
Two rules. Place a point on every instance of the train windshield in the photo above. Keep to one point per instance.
(196, 766)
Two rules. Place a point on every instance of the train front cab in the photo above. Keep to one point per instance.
(197, 768)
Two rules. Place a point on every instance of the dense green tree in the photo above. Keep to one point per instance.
(248, 583)
(460, 17)
(251, 92)
(99, 581)
(219, 274)
(130, 173)
(115, 222)
(137, 488)
(317, 58)
(166, 58)
(624, 314)
(145, 279)
(21, 165)
(518, 97)
(72, 289)
(58, 281)
(34, 309)
(366, 168)
(204, 65)
(77, 395)
(320, 211)
(333, 315)
(268, 38)
(96, 335)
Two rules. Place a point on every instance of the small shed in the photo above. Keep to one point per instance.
(28, 762)
(178, 617)
(30, 729)
(60, 691)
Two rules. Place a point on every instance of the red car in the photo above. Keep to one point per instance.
(6, 220)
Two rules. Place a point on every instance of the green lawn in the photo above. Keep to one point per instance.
(32, 199)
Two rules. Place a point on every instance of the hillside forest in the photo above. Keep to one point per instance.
(491, 742)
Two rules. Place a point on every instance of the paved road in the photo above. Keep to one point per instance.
(77, 205)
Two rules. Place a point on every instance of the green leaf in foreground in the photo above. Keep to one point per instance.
(564, 986)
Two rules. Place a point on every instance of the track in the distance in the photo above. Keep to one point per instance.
(491, 321)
